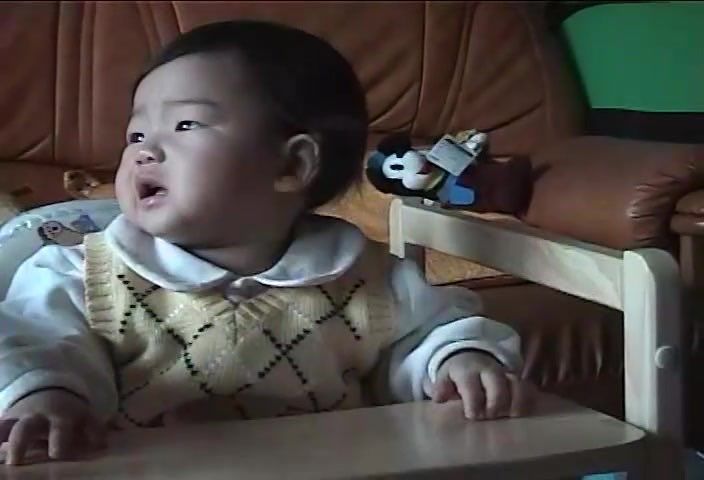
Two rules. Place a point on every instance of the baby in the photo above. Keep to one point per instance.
(216, 294)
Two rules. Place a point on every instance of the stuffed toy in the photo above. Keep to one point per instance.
(456, 172)
(81, 185)
(11, 202)
(8, 207)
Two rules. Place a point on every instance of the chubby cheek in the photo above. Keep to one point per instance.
(232, 188)
(123, 190)
(203, 192)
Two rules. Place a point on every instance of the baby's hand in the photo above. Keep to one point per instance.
(487, 390)
(56, 421)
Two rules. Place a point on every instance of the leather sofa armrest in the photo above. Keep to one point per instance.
(689, 219)
(613, 192)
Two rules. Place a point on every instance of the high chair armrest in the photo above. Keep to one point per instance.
(643, 283)
(506, 244)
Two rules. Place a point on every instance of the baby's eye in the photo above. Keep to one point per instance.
(135, 137)
(188, 125)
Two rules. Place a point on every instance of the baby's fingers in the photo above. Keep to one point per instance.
(498, 393)
(522, 397)
(473, 398)
(444, 390)
(70, 438)
(24, 433)
(61, 438)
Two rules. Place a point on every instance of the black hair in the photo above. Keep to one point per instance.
(310, 85)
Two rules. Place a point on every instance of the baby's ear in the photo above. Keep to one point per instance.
(302, 153)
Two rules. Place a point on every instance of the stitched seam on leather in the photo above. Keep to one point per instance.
(515, 118)
(158, 40)
(27, 152)
(406, 125)
(393, 104)
(543, 67)
(147, 19)
(449, 109)
(179, 24)
(91, 79)
(423, 52)
(164, 19)
(85, 83)
(54, 127)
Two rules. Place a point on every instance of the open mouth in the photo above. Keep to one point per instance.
(148, 189)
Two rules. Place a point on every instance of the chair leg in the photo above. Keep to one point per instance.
(397, 244)
(653, 357)
(396, 241)
(692, 268)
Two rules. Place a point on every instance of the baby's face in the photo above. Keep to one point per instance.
(198, 169)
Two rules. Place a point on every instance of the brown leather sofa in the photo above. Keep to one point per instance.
(429, 68)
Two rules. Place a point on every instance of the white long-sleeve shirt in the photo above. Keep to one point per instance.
(45, 340)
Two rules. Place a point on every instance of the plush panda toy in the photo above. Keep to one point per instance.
(457, 172)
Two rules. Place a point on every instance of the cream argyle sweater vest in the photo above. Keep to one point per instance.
(197, 356)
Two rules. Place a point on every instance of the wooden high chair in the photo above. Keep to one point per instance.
(421, 440)
(644, 284)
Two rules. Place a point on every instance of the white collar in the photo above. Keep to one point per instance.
(323, 249)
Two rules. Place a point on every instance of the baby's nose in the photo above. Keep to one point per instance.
(148, 156)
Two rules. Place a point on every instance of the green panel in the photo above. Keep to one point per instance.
(640, 56)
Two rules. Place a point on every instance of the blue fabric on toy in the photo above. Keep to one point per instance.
(453, 194)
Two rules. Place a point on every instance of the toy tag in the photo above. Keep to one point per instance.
(450, 156)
